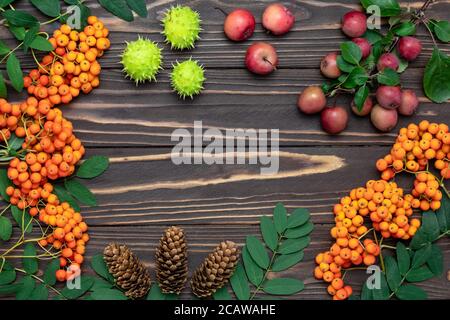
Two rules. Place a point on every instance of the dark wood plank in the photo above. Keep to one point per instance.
(232, 99)
(144, 187)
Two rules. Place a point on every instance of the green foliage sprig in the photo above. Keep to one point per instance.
(420, 261)
(359, 75)
(285, 237)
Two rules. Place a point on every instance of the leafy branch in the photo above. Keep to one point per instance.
(285, 236)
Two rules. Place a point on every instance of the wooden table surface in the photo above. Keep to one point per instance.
(143, 192)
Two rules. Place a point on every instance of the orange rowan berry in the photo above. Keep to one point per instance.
(61, 275)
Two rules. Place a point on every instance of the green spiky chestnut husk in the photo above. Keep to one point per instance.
(181, 27)
(187, 78)
(141, 60)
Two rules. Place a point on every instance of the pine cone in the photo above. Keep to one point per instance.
(215, 271)
(171, 261)
(130, 274)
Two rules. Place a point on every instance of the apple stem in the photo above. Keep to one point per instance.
(268, 61)
(221, 10)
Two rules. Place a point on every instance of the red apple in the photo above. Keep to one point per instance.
(367, 107)
(334, 119)
(312, 100)
(409, 48)
(389, 97)
(278, 19)
(364, 45)
(384, 119)
(354, 24)
(387, 60)
(239, 25)
(261, 58)
(329, 67)
(409, 103)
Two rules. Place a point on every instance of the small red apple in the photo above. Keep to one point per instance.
(364, 45)
(334, 119)
(278, 19)
(239, 25)
(354, 24)
(261, 58)
(409, 48)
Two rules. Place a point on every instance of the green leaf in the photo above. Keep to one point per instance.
(299, 232)
(280, 218)
(7, 276)
(80, 192)
(419, 240)
(421, 256)
(27, 286)
(411, 292)
(65, 196)
(393, 276)
(419, 274)
(402, 64)
(93, 167)
(269, 232)
(254, 273)
(388, 8)
(361, 96)
(384, 292)
(29, 37)
(351, 52)
(293, 245)
(3, 89)
(40, 292)
(18, 32)
(436, 80)
(10, 289)
(49, 273)
(20, 18)
(15, 143)
(239, 283)
(4, 3)
(286, 261)
(50, 8)
(22, 216)
(108, 294)
(30, 265)
(4, 49)
(357, 77)
(139, 7)
(258, 252)
(436, 260)
(366, 293)
(405, 29)
(443, 214)
(5, 228)
(372, 36)
(41, 44)
(388, 77)
(403, 258)
(442, 30)
(283, 286)
(298, 218)
(99, 266)
(4, 183)
(100, 283)
(430, 225)
(344, 65)
(119, 8)
(222, 294)
(86, 283)
(15, 73)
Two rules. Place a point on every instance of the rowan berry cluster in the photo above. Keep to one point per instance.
(385, 204)
(415, 147)
(50, 149)
(72, 66)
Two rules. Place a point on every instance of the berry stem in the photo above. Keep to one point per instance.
(41, 281)
(269, 268)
